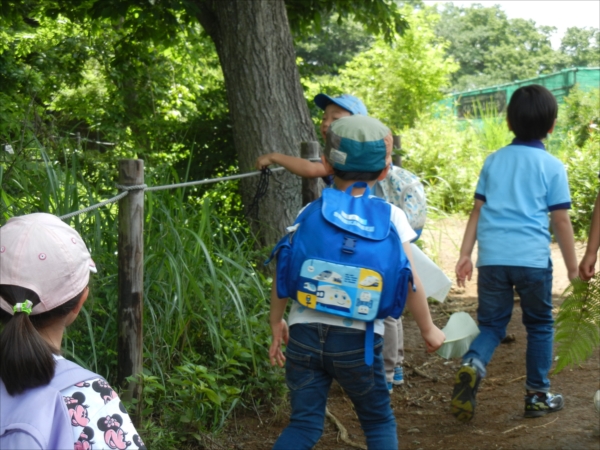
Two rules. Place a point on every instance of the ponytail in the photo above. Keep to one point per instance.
(26, 359)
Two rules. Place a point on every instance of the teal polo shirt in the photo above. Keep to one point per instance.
(519, 185)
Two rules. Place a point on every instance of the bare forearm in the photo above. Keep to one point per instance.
(593, 244)
(278, 305)
(563, 232)
(416, 302)
(299, 166)
(470, 236)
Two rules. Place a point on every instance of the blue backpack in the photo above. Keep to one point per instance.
(343, 256)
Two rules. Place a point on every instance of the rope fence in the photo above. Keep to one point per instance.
(144, 187)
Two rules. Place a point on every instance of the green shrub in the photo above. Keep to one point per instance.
(448, 155)
(583, 165)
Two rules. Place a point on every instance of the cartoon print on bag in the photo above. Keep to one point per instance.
(114, 436)
(103, 388)
(137, 440)
(82, 384)
(77, 410)
(85, 439)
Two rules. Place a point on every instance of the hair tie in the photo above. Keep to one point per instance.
(24, 307)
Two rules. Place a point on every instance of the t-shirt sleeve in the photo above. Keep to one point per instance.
(558, 196)
(98, 415)
(481, 183)
(400, 221)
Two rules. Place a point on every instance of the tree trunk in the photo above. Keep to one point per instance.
(266, 103)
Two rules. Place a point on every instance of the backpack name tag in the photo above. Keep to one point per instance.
(339, 289)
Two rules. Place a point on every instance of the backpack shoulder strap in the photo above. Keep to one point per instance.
(68, 373)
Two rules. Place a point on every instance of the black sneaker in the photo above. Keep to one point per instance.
(539, 404)
(466, 383)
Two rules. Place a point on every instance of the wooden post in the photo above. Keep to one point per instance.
(396, 157)
(131, 282)
(310, 186)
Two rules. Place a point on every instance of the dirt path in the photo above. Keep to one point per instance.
(421, 405)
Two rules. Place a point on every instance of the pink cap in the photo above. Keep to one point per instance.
(42, 253)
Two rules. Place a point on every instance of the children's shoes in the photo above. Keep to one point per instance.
(466, 383)
(538, 404)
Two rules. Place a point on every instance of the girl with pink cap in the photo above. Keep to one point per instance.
(47, 402)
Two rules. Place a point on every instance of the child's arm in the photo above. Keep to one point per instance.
(279, 328)
(464, 266)
(563, 231)
(587, 264)
(418, 307)
(298, 166)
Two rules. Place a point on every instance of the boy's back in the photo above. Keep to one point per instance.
(519, 185)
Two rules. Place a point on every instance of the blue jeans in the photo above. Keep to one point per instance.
(495, 288)
(315, 355)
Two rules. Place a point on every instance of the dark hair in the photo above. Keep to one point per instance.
(531, 112)
(27, 359)
(357, 176)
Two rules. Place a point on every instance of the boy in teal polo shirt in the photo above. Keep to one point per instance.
(518, 186)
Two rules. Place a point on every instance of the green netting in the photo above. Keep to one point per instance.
(473, 103)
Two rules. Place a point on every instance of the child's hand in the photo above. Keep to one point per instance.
(587, 266)
(464, 270)
(263, 161)
(280, 335)
(434, 338)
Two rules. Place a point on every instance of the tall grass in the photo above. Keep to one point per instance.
(206, 329)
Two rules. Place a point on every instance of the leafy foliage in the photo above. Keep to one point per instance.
(583, 166)
(380, 17)
(397, 81)
(447, 154)
(328, 50)
(581, 46)
(578, 323)
(492, 49)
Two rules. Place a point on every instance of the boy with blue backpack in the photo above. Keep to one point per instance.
(346, 263)
(399, 187)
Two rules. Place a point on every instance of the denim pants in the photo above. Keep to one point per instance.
(315, 355)
(495, 288)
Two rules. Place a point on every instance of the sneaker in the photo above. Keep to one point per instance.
(539, 404)
(466, 383)
(390, 387)
(398, 376)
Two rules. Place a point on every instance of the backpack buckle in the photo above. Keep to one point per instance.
(348, 245)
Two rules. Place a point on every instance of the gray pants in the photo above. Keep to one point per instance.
(393, 345)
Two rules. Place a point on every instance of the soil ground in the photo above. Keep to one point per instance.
(422, 404)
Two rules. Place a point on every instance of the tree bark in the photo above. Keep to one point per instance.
(266, 102)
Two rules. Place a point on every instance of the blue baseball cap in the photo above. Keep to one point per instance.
(348, 102)
(358, 144)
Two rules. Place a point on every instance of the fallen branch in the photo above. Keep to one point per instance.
(516, 379)
(544, 426)
(425, 375)
(343, 433)
(514, 429)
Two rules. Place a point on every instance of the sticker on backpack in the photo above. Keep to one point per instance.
(344, 290)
